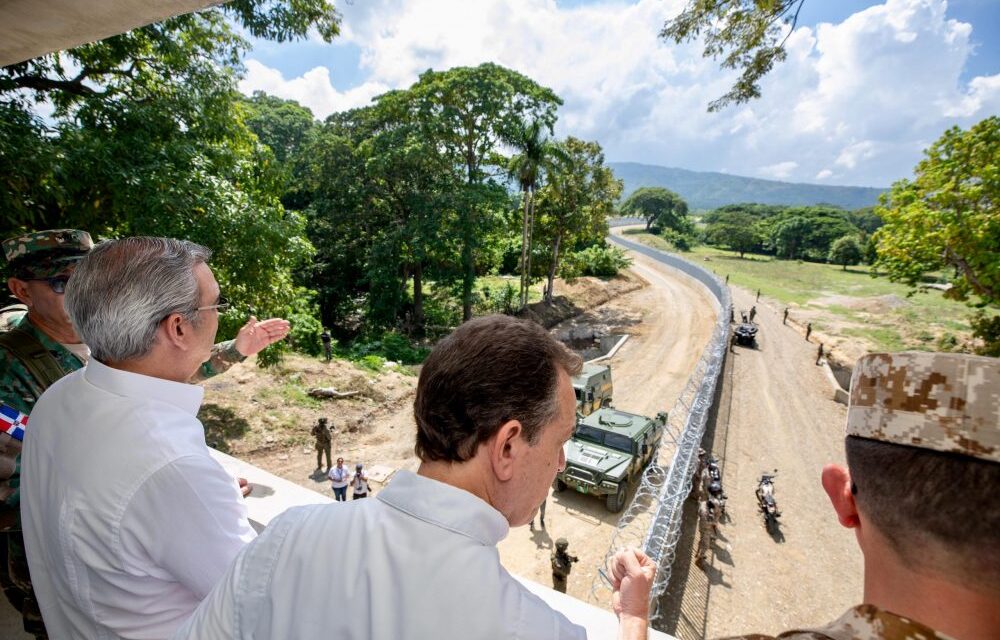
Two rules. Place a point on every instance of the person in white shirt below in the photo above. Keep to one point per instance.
(128, 521)
(494, 407)
(339, 478)
(359, 483)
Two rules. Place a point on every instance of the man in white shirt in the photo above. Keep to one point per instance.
(494, 407)
(128, 522)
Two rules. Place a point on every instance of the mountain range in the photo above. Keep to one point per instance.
(704, 190)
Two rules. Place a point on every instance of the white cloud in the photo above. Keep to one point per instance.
(866, 94)
(312, 89)
(779, 170)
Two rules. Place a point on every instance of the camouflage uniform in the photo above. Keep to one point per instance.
(706, 530)
(42, 255)
(562, 564)
(323, 443)
(863, 622)
(939, 401)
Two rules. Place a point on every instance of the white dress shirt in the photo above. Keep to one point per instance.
(128, 521)
(417, 562)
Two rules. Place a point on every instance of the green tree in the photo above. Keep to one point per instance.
(280, 124)
(470, 112)
(576, 203)
(948, 216)
(147, 137)
(844, 251)
(537, 155)
(746, 34)
(658, 206)
(735, 230)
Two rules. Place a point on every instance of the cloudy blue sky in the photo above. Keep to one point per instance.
(866, 86)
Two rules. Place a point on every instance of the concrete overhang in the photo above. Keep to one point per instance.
(32, 28)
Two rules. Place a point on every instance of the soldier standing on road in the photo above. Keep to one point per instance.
(327, 344)
(323, 444)
(819, 353)
(784, 320)
(562, 564)
(758, 296)
(753, 312)
(541, 516)
(732, 315)
(920, 491)
(732, 343)
(809, 330)
(707, 528)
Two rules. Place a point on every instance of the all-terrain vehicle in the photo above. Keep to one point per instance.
(593, 388)
(745, 334)
(608, 452)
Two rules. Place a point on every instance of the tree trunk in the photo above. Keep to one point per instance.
(522, 294)
(553, 267)
(531, 232)
(418, 298)
(468, 269)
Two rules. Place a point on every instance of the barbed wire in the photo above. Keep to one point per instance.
(652, 520)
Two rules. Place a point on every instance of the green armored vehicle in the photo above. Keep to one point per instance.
(593, 388)
(608, 452)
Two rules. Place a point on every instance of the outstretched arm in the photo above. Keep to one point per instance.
(251, 339)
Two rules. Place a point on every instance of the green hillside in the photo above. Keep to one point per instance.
(708, 190)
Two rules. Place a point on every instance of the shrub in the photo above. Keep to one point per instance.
(601, 261)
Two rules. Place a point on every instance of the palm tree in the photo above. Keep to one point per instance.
(538, 154)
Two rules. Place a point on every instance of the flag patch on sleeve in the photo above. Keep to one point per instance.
(12, 421)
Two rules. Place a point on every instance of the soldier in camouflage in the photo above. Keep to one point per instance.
(323, 444)
(707, 530)
(38, 345)
(562, 565)
(920, 491)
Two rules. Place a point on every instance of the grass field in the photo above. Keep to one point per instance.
(848, 304)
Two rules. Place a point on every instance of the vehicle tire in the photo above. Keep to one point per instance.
(616, 501)
(560, 485)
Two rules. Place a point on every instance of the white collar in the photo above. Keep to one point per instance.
(446, 506)
(186, 397)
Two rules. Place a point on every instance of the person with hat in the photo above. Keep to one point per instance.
(39, 345)
(323, 444)
(920, 493)
(562, 565)
(359, 483)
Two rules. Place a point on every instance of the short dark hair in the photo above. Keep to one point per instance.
(488, 371)
(936, 509)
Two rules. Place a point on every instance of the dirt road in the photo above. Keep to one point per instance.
(775, 414)
(669, 323)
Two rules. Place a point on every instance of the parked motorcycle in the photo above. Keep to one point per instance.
(765, 498)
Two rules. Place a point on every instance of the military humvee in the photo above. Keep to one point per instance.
(593, 388)
(608, 452)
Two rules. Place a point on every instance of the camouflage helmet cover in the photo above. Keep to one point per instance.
(562, 543)
(44, 254)
(941, 401)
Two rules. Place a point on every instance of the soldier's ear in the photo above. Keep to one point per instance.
(837, 484)
(20, 290)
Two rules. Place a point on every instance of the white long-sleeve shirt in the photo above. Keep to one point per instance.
(417, 562)
(128, 521)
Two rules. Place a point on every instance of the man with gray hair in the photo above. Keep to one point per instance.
(128, 521)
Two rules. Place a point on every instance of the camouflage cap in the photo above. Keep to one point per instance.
(562, 543)
(44, 254)
(941, 401)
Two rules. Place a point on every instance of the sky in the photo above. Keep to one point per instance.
(865, 89)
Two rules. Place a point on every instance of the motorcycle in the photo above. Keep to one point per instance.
(765, 498)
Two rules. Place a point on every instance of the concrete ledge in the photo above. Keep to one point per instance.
(839, 393)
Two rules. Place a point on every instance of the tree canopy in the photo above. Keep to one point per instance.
(746, 34)
(948, 216)
(657, 206)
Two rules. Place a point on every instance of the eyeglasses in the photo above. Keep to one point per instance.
(222, 305)
(57, 284)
